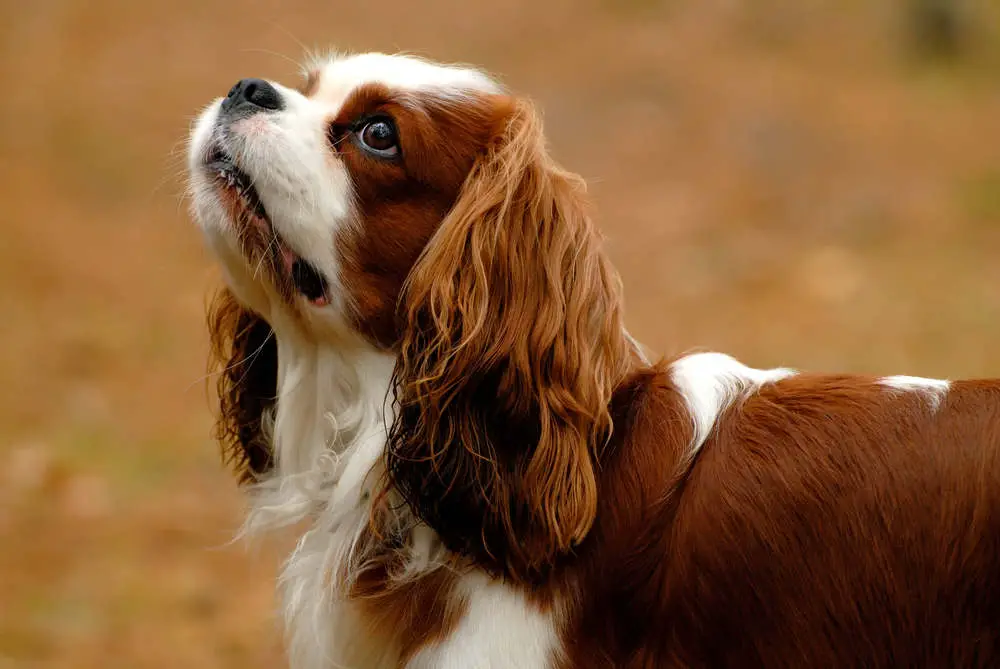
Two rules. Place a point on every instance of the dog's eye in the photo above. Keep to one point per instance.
(379, 136)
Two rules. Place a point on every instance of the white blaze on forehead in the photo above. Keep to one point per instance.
(933, 389)
(340, 75)
(711, 382)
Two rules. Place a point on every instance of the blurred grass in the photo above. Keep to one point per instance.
(981, 196)
(796, 182)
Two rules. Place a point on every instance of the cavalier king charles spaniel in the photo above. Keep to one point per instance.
(424, 368)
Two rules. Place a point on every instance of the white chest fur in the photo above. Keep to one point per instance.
(329, 433)
(500, 629)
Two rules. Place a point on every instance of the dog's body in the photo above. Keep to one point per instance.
(424, 359)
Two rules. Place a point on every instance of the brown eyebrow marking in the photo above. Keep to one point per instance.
(311, 83)
(364, 99)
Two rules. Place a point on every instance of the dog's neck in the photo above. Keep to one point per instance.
(327, 430)
(328, 434)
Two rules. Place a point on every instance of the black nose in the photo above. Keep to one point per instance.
(252, 93)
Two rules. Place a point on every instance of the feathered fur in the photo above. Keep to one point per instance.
(243, 356)
(512, 346)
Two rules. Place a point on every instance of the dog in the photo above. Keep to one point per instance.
(423, 362)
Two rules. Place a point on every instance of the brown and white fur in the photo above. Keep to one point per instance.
(424, 364)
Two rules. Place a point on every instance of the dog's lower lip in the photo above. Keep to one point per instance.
(226, 170)
(308, 281)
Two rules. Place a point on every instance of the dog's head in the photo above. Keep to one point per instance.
(413, 207)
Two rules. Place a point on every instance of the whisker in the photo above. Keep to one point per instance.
(249, 358)
(272, 53)
(306, 50)
(265, 255)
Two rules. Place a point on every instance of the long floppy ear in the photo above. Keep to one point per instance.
(244, 355)
(512, 345)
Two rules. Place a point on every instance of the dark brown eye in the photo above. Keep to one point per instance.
(379, 137)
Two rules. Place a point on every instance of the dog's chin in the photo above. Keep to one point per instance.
(263, 247)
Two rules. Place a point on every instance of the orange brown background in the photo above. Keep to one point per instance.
(798, 182)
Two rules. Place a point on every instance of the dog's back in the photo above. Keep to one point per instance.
(825, 522)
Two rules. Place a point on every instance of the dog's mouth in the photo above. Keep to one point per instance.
(306, 279)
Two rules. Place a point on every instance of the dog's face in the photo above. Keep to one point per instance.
(415, 206)
(319, 200)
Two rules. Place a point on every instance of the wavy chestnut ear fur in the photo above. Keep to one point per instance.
(512, 346)
(244, 354)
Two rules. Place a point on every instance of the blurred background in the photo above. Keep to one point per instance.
(813, 183)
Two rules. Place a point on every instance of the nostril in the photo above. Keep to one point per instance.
(262, 94)
(252, 92)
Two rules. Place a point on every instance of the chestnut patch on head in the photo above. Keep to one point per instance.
(402, 197)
